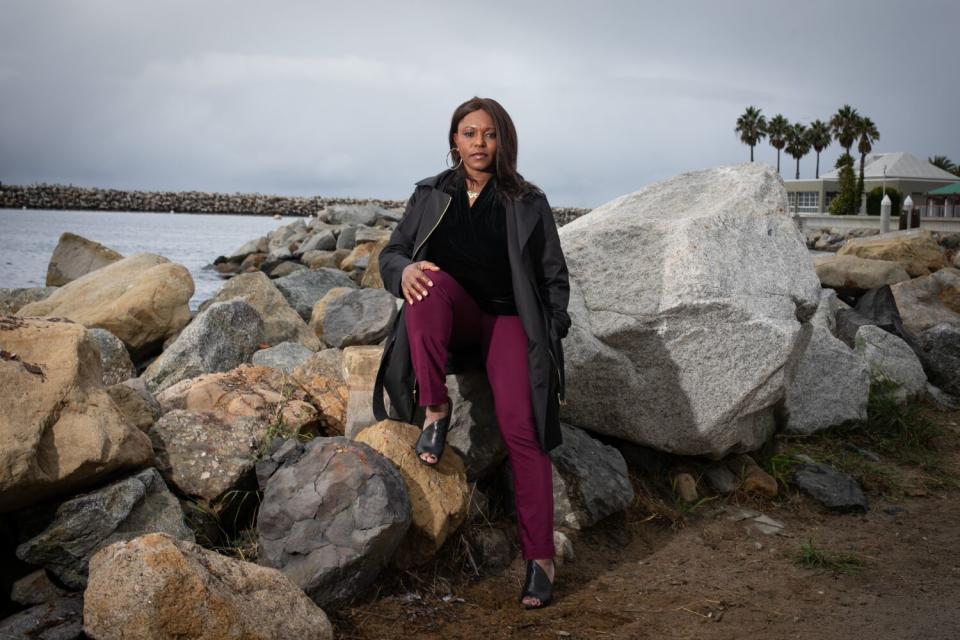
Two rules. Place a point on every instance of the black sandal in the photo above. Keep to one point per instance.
(433, 438)
(537, 585)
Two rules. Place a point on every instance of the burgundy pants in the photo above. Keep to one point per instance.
(450, 316)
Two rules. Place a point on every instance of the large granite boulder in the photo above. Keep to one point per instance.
(280, 322)
(360, 364)
(75, 256)
(320, 309)
(929, 300)
(830, 387)
(321, 376)
(915, 250)
(114, 357)
(332, 517)
(86, 523)
(890, 360)
(940, 349)
(156, 586)
(304, 288)
(59, 431)
(352, 214)
(439, 496)
(59, 619)
(590, 480)
(851, 274)
(362, 316)
(219, 339)
(285, 357)
(11, 300)
(141, 299)
(687, 300)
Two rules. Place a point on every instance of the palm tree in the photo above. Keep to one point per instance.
(818, 134)
(944, 163)
(798, 143)
(752, 127)
(843, 125)
(868, 136)
(777, 131)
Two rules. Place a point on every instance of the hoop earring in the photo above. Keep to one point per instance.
(450, 154)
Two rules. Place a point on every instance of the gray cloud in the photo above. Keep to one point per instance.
(317, 97)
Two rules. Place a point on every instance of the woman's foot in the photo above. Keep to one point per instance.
(434, 412)
(533, 601)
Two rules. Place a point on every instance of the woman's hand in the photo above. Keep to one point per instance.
(414, 282)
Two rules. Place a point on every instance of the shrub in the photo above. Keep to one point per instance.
(847, 202)
(876, 195)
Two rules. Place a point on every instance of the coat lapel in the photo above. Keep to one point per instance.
(526, 221)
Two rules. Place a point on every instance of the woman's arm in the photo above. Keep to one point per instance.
(551, 267)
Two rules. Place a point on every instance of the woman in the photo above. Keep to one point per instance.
(478, 261)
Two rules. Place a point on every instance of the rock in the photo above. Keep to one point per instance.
(285, 268)
(361, 255)
(849, 322)
(474, 432)
(259, 245)
(360, 366)
(698, 313)
(754, 519)
(721, 478)
(563, 547)
(826, 314)
(324, 259)
(59, 430)
(753, 479)
(889, 359)
(879, 305)
(11, 300)
(61, 619)
(332, 517)
(353, 214)
(321, 240)
(347, 238)
(834, 490)
(281, 323)
(304, 288)
(940, 346)
(439, 496)
(490, 548)
(114, 358)
(222, 337)
(136, 403)
(930, 300)
(141, 299)
(371, 275)
(915, 250)
(86, 523)
(320, 309)
(362, 316)
(830, 387)
(252, 263)
(368, 234)
(590, 480)
(850, 274)
(158, 587)
(943, 398)
(75, 256)
(36, 588)
(685, 486)
(281, 239)
(285, 357)
(321, 377)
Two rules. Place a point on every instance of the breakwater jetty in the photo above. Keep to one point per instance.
(69, 197)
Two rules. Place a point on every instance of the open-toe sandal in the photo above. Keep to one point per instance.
(537, 585)
(433, 438)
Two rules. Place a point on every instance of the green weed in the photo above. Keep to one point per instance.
(810, 556)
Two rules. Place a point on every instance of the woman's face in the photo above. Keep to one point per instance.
(476, 140)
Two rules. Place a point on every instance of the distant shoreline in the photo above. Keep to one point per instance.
(71, 198)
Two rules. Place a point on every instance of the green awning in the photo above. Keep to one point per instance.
(949, 190)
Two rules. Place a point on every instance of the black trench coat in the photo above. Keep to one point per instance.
(541, 290)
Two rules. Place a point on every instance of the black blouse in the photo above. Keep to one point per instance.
(471, 245)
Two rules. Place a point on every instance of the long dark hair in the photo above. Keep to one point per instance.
(508, 181)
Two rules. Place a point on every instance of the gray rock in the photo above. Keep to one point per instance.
(721, 478)
(332, 518)
(258, 245)
(826, 314)
(285, 268)
(12, 299)
(590, 480)
(369, 234)
(687, 299)
(75, 256)
(36, 588)
(61, 619)
(220, 338)
(304, 288)
(849, 322)
(321, 240)
(136, 402)
(347, 238)
(889, 358)
(286, 356)
(474, 432)
(940, 346)
(86, 523)
(942, 398)
(354, 214)
(929, 300)
(114, 357)
(831, 386)
(834, 490)
(280, 239)
(360, 317)
(490, 548)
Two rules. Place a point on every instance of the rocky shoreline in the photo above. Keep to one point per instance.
(165, 474)
(68, 197)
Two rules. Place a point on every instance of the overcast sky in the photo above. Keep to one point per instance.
(354, 98)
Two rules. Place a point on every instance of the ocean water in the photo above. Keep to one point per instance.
(27, 239)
